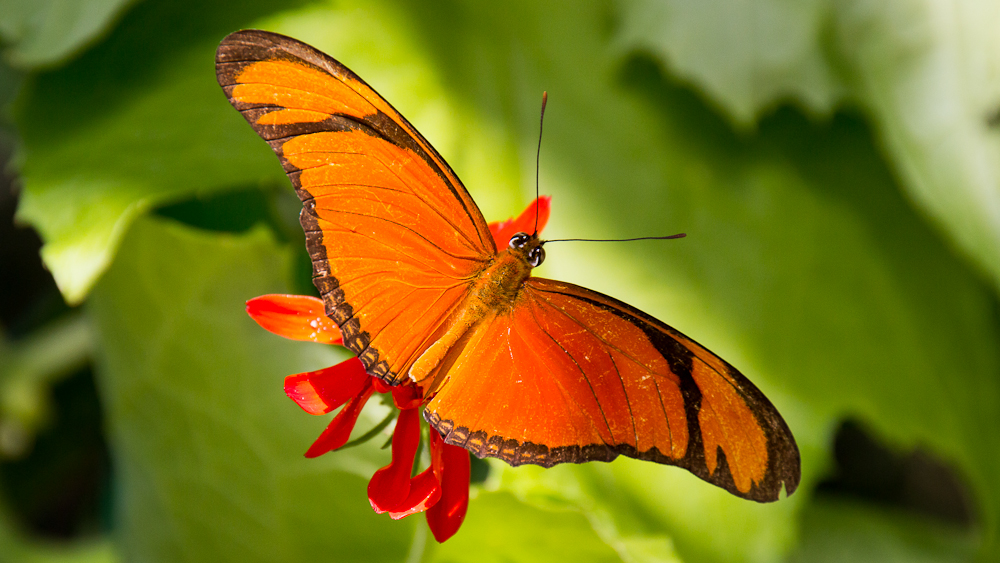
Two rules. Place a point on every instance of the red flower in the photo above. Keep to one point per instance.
(442, 489)
(525, 223)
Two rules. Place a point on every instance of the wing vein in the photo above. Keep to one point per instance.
(469, 243)
(581, 370)
(628, 402)
(397, 249)
(611, 346)
(666, 417)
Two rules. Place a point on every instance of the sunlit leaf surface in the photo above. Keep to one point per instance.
(924, 71)
(207, 447)
(45, 32)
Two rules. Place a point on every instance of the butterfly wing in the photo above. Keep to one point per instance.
(393, 234)
(571, 375)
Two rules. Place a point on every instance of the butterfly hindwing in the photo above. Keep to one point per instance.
(388, 224)
(571, 375)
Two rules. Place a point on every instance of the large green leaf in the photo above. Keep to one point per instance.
(44, 32)
(921, 70)
(842, 531)
(747, 56)
(136, 122)
(499, 528)
(29, 367)
(207, 449)
(15, 548)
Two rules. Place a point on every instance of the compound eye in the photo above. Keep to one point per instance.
(536, 256)
(519, 240)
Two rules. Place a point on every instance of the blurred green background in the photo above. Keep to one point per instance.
(836, 165)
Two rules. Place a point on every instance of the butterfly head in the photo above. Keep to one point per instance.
(529, 248)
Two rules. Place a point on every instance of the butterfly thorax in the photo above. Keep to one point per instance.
(493, 291)
(499, 282)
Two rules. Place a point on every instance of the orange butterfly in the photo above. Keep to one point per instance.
(525, 369)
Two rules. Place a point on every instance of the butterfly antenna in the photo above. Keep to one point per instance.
(538, 156)
(678, 235)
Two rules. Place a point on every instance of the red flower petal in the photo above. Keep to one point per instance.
(407, 396)
(425, 491)
(525, 223)
(390, 486)
(453, 467)
(339, 430)
(321, 391)
(381, 386)
(298, 317)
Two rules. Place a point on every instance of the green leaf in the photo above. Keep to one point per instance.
(16, 549)
(840, 531)
(29, 367)
(499, 528)
(45, 32)
(146, 124)
(746, 56)
(207, 448)
(595, 492)
(917, 68)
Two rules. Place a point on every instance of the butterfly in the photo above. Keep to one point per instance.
(517, 367)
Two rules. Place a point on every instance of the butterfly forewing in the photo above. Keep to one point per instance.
(388, 225)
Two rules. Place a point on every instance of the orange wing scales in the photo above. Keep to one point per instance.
(602, 379)
(379, 202)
